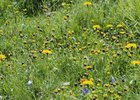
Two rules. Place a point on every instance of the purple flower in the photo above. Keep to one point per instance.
(112, 80)
(85, 91)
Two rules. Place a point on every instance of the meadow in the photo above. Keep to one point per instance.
(70, 50)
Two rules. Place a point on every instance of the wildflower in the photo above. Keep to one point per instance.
(82, 48)
(131, 45)
(47, 52)
(100, 91)
(109, 26)
(65, 17)
(87, 82)
(88, 67)
(70, 32)
(122, 32)
(98, 85)
(95, 96)
(114, 38)
(29, 83)
(112, 81)
(96, 27)
(96, 51)
(85, 74)
(126, 89)
(57, 90)
(136, 62)
(105, 95)
(64, 4)
(66, 83)
(85, 91)
(85, 29)
(110, 91)
(106, 85)
(2, 57)
(120, 26)
(131, 35)
(117, 96)
(33, 51)
(87, 3)
(55, 69)
(92, 20)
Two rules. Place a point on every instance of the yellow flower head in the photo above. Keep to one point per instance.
(2, 57)
(114, 38)
(87, 82)
(65, 17)
(105, 95)
(88, 67)
(95, 51)
(87, 3)
(122, 32)
(131, 45)
(120, 26)
(96, 27)
(47, 52)
(109, 26)
(70, 32)
(136, 62)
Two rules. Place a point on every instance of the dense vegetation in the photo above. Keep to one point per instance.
(69, 49)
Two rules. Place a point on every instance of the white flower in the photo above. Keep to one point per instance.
(29, 83)
(0, 97)
(66, 83)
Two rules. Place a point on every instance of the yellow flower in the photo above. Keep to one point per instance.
(105, 95)
(96, 27)
(87, 82)
(136, 62)
(107, 85)
(70, 32)
(87, 3)
(65, 17)
(117, 97)
(114, 38)
(131, 45)
(47, 52)
(122, 32)
(96, 51)
(88, 67)
(109, 26)
(95, 96)
(2, 57)
(120, 26)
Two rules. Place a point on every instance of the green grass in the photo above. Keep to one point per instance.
(68, 32)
